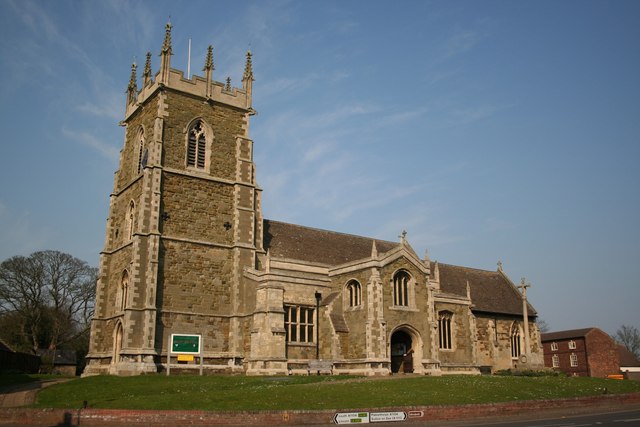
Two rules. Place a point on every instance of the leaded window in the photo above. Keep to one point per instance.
(299, 322)
(444, 330)
(401, 288)
(515, 343)
(354, 293)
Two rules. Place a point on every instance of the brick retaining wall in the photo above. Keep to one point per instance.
(105, 417)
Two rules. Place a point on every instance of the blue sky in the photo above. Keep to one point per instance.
(489, 130)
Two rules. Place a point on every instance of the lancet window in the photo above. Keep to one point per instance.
(515, 343)
(130, 219)
(141, 146)
(401, 288)
(124, 290)
(444, 330)
(354, 294)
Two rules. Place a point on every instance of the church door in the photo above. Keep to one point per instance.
(401, 352)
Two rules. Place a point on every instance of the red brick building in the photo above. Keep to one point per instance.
(586, 352)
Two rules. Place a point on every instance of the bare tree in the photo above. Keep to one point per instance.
(21, 293)
(543, 326)
(51, 293)
(629, 336)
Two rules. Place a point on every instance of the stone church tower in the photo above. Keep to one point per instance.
(184, 219)
(187, 251)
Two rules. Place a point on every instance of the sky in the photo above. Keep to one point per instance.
(488, 130)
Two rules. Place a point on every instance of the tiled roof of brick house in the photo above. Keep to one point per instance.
(565, 335)
(491, 291)
(627, 358)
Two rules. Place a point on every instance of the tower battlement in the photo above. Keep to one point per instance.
(204, 87)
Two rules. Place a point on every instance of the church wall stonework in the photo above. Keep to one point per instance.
(355, 317)
(197, 209)
(462, 351)
(198, 281)
(119, 262)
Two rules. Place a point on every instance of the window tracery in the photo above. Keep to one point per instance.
(197, 146)
(444, 330)
(401, 288)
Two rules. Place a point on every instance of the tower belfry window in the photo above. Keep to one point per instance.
(197, 146)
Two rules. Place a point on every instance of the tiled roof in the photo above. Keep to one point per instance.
(626, 357)
(565, 335)
(491, 291)
(313, 245)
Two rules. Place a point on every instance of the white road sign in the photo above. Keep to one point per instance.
(379, 417)
(351, 418)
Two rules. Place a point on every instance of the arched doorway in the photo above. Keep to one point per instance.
(401, 352)
(117, 344)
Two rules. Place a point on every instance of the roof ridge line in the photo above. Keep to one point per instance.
(466, 268)
(331, 231)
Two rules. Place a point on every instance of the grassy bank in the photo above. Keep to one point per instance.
(215, 393)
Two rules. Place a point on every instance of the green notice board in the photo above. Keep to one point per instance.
(181, 343)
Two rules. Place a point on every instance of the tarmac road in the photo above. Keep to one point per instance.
(617, 418)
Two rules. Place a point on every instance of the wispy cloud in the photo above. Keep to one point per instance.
(401, 117)
(19, 235)
(109, 151)
(110, 107)
(470, 114)
(426, 226)
(460, 42)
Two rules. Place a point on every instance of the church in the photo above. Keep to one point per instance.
(188, 255)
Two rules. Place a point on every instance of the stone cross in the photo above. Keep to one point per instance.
(525, 314)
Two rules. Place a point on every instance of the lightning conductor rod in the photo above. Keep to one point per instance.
(189, 61)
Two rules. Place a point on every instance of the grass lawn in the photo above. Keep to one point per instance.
(219, 393)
